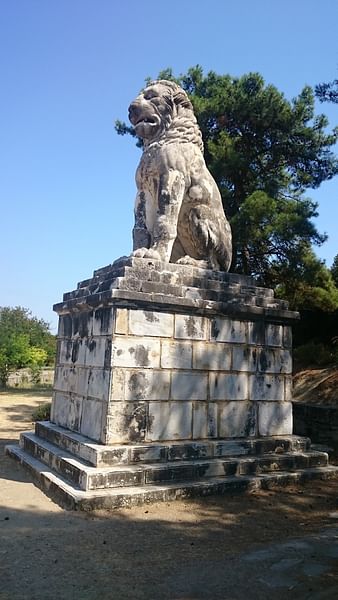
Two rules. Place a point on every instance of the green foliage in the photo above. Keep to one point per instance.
(264, 152)
(25, 341)
(334, 270)
(327, 92)
(42, 413)
(313, 355)
(307, 283)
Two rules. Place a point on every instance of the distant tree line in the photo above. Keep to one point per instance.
(25, 341)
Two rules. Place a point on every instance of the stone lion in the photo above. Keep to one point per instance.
(179, 215)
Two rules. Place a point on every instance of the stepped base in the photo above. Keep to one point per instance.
(82, 475)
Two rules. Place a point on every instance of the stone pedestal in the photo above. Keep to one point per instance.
(171, 381)
(156, 352)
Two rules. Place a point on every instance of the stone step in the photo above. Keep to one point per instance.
(99, 455)
(71, 497)
(88, 477)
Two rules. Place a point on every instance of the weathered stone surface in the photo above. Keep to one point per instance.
(147, 385)
(244, 358)
(228, 330)
(170, 420)
(229, 386)
(189, 327)
(146, 322)
(66, 410)
(189, 386)
(274, 418)
(266, 387)
(211, 357)
(136, 352)
(204, 423)
(127, 422)
(237, 419)
(176, 355)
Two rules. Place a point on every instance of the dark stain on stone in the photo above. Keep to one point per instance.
(91, 345)
(75, 350)
(103, 316)
(107, 354)
(141, 356)
(136, 422)
(258, 333)
(69, 346)
(66, 325)
(83, 324)
(214, 330)
(149, 315)
(250, 426)
(75, 324)
(137, 385)
(263, 360)
(191, 326)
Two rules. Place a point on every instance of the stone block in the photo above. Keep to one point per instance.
(228, 330)
(274, 360)
(256, 333)
(150, 323)
(191, 327)
(82, 324)
(232, 386)
(274, 335)
(237, 419)
(266, 387)
(176, 355)
(121, 321)
(82, 380)
(288, 383)
(136, 352)
(211, 357)
(127, 422)
(244, 358)
(98, 353)
(189, 386)
(93, 417)
(65, 327)
(170, 421)
(287, 336)
(147, 385)
(66, 379)
(274, 418)
(204, 420)
(103, 319)
(117, 384)
(66, 411)
(98, 383)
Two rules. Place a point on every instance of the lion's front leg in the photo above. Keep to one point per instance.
(170, 196)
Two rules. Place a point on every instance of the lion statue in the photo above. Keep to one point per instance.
(179, 215)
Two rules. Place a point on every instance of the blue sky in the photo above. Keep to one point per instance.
(69, 68)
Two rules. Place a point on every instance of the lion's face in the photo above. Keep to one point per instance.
(149, 112)
(153, 109)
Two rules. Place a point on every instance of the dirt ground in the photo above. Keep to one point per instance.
(277, 544)
(316, 386)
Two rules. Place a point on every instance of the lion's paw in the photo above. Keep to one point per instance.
(146, 253)
(192, 262)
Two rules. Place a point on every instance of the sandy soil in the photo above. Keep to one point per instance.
(276, 544)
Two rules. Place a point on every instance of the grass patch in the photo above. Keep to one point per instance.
(38, 390)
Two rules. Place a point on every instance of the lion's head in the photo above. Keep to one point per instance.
(163, 110)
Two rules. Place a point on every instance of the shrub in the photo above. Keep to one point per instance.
(42, 412)
(313, 355)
